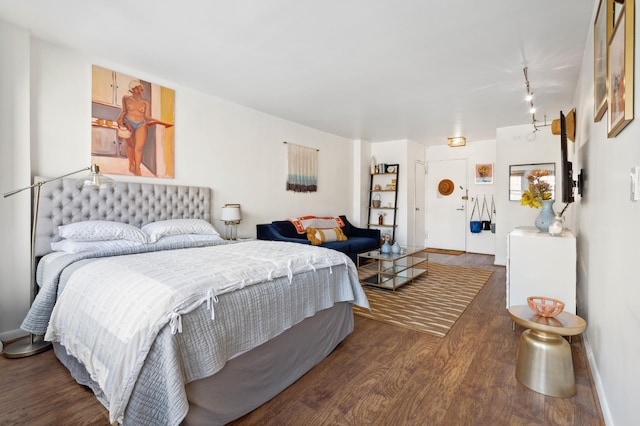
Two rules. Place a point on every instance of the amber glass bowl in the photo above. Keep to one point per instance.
(545, 306)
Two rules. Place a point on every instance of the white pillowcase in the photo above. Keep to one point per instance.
(171, 239)
(163, 228)
(101, 230)
(69, 246)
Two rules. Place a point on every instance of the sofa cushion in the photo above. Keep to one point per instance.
(319, 236)
(322, 222)
(287, 229)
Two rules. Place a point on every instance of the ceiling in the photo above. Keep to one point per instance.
(376, 70)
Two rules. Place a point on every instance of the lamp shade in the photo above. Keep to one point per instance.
(95, 179)
(231, 213)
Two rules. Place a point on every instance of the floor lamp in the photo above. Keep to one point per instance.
(36, 344)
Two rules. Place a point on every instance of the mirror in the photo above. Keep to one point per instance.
(518, 182)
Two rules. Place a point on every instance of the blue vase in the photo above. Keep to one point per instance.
(395, 248)
(545, 216)
(386, 248)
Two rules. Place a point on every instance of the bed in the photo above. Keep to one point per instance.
(179, 326)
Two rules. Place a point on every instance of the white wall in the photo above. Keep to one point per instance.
(14, 173)
(237, 151)
(514, 147)
(361, 176)
(478, 152)
(608, 231)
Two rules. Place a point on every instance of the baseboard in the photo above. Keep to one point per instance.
(595, 375)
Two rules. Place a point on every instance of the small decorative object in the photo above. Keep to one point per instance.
(381, 218)
(539, 195)
(545, 306)
(377, 187)
(395, 248)
(556, 226)
(544, 218)
(386, 248)
(373, 166)
(539, 189)
(376, 201)
(445, 187)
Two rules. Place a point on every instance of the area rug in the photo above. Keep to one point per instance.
(431, 303)
(444, 251)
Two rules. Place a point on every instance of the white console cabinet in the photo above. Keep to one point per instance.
(539, 264)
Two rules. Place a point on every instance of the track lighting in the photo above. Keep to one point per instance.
(532, 108)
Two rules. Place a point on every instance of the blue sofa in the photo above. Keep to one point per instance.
(358, 239)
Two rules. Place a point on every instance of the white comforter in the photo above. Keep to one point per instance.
(112, 308)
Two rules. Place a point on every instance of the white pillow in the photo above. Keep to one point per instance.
(69, 246)
(187, 238)
(163, 228)
(101, 230)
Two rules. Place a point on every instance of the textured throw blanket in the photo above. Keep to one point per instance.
(112, 308)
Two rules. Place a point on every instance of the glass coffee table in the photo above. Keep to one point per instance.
(391, 270)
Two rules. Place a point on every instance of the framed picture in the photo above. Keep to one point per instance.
(601, 31)
(620, 70)
(132, 125)
(484, 173)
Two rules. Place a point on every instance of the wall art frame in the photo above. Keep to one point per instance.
(132, 125)
(620, 57)
(484, 173)
(602, 28)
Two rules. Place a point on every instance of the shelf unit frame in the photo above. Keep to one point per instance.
(373, 212)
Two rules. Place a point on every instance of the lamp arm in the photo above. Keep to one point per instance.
(9, 194)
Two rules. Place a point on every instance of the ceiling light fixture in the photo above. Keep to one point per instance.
(457, 141)
(532, 108)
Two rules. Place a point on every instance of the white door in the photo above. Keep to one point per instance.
(418, 237)
(447, 213)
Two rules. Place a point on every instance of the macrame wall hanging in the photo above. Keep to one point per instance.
(303, 168)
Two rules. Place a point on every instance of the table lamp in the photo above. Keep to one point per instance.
(231, 217)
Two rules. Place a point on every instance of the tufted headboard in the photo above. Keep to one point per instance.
(129, 202)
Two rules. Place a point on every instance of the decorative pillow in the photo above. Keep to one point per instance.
(162, 228)
(69, 246)
(320, 222)
(319, 236)
(101, 230)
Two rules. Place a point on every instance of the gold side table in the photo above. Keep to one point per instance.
(544, 356)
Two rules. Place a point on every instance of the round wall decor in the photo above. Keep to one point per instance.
(445, 187)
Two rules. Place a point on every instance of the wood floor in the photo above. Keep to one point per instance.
(379, 375)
